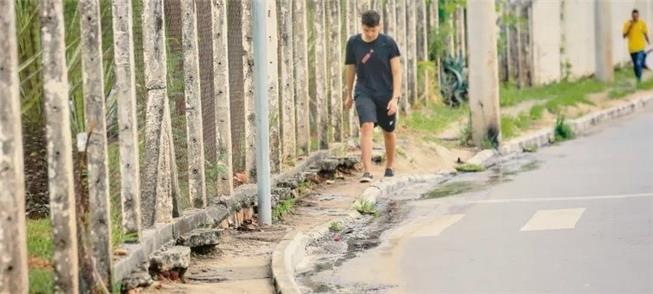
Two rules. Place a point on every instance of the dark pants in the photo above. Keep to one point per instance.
(639, 60)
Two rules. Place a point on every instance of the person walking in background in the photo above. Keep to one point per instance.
(637, 33)
(374, 59)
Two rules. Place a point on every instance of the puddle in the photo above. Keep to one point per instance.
(503, 172)
(337, 257)
(335, 248)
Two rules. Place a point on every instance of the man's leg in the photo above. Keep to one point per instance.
(390, 145)
(366, 133)
(633, 58)
(638, 61)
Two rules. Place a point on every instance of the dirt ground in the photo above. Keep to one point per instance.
(242, 263)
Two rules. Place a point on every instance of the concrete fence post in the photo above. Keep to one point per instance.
(193, 99)
(99, 228)
(59, 138)
(221, 95)
(13, 247)
(271, 68)
(411, 51)
(335, 69)
(158, 171)
(248, 88)
(401, 39)
(130, 197)
(287, 81)
(421, 30)
(321, 105)
(300, 66)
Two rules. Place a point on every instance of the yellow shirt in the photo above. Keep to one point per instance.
(636, 39)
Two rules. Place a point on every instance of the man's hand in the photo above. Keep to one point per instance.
(392, 106)
(349, 101)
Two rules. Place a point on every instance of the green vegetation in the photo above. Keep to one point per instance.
(513, 126)
(41, 281)
(564, 92)
(365, 207)
(470, 168)
(39, 251)
(530, 149)
(562, 130)
(335, 227)
(39, 238)
(283, 208)
(434, 118)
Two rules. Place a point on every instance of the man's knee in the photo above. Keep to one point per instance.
(367, 127)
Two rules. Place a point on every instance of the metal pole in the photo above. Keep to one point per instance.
(262, 127)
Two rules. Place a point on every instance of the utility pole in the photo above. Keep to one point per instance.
(603, 25)
(483, 71)
(262, 123)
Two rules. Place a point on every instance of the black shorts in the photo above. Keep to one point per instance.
(375, 110)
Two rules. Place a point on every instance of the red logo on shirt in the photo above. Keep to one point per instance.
(367, 56)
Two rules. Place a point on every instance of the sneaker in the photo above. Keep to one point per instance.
(367, 177)
(389, 173)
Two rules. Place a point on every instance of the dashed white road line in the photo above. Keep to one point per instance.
(553, 219)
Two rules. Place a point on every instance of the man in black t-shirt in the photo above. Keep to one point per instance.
(374, 59)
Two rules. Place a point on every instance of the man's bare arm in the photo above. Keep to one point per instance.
(349, 76)
(395, 66)
(630, 25)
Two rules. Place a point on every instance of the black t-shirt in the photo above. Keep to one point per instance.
(372, 61)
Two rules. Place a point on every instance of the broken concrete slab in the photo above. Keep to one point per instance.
(136, 280)
(175, 258)
(200, 238)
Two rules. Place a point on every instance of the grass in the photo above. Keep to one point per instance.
(41, 281)
(470, 168)
(435, 118)
(513, 126)
(562, 92)
(283, 208)
(39, 248)
(365, 207)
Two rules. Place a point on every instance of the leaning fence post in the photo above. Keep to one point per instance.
(60, 153)
(221, 94)
(99, 228)
(196, 176)
(157, 199)
(287, 81)
(302, 98)
(335, 69)
(130, 197)
(321, 73)
(271, 69)
(13, 248)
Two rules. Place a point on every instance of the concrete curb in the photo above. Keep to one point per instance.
(292, 249)
(579, 126)
(217, 211)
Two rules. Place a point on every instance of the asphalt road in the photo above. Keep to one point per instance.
(572, 218)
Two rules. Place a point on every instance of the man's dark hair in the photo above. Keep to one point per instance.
(635, 11)
(370, 18)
